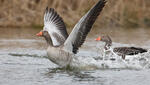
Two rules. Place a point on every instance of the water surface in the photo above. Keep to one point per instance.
(23, 59)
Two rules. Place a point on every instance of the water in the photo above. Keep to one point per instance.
(23, 59)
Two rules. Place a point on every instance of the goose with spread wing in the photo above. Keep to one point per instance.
(123, 51)
(61, 47)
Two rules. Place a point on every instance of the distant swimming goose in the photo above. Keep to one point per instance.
(62, 48)
(120, 50)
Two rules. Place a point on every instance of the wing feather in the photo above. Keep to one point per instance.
(54, 24)
(81, 29)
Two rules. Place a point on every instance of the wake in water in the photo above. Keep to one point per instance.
(109, 59)
(104, 60)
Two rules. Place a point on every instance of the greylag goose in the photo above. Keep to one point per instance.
(61, 47)
(123, 51)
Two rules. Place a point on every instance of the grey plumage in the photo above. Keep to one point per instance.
(129, 50)
(122, 50)
(58, 26)
(82, 28)
(62, 47)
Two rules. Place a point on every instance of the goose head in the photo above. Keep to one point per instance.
(106, 39)
(46, 35)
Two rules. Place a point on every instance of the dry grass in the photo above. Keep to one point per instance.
(128, 13)
(124, 13)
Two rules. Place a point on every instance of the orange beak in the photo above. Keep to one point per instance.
(39, 34)
(98, 39)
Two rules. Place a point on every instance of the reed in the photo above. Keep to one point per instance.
(117, 13)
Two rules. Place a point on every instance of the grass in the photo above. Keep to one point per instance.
(117, 13)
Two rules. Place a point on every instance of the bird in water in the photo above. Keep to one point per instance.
(123, 51)
(62, 48)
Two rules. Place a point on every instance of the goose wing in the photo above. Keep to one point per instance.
(129, 50)
(81, 29)
(55, 26)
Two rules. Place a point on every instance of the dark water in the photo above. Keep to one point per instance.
(23, 59)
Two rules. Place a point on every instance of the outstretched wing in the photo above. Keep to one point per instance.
(55, 26)
(81, 29)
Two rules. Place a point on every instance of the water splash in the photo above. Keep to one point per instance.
(109, 59)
